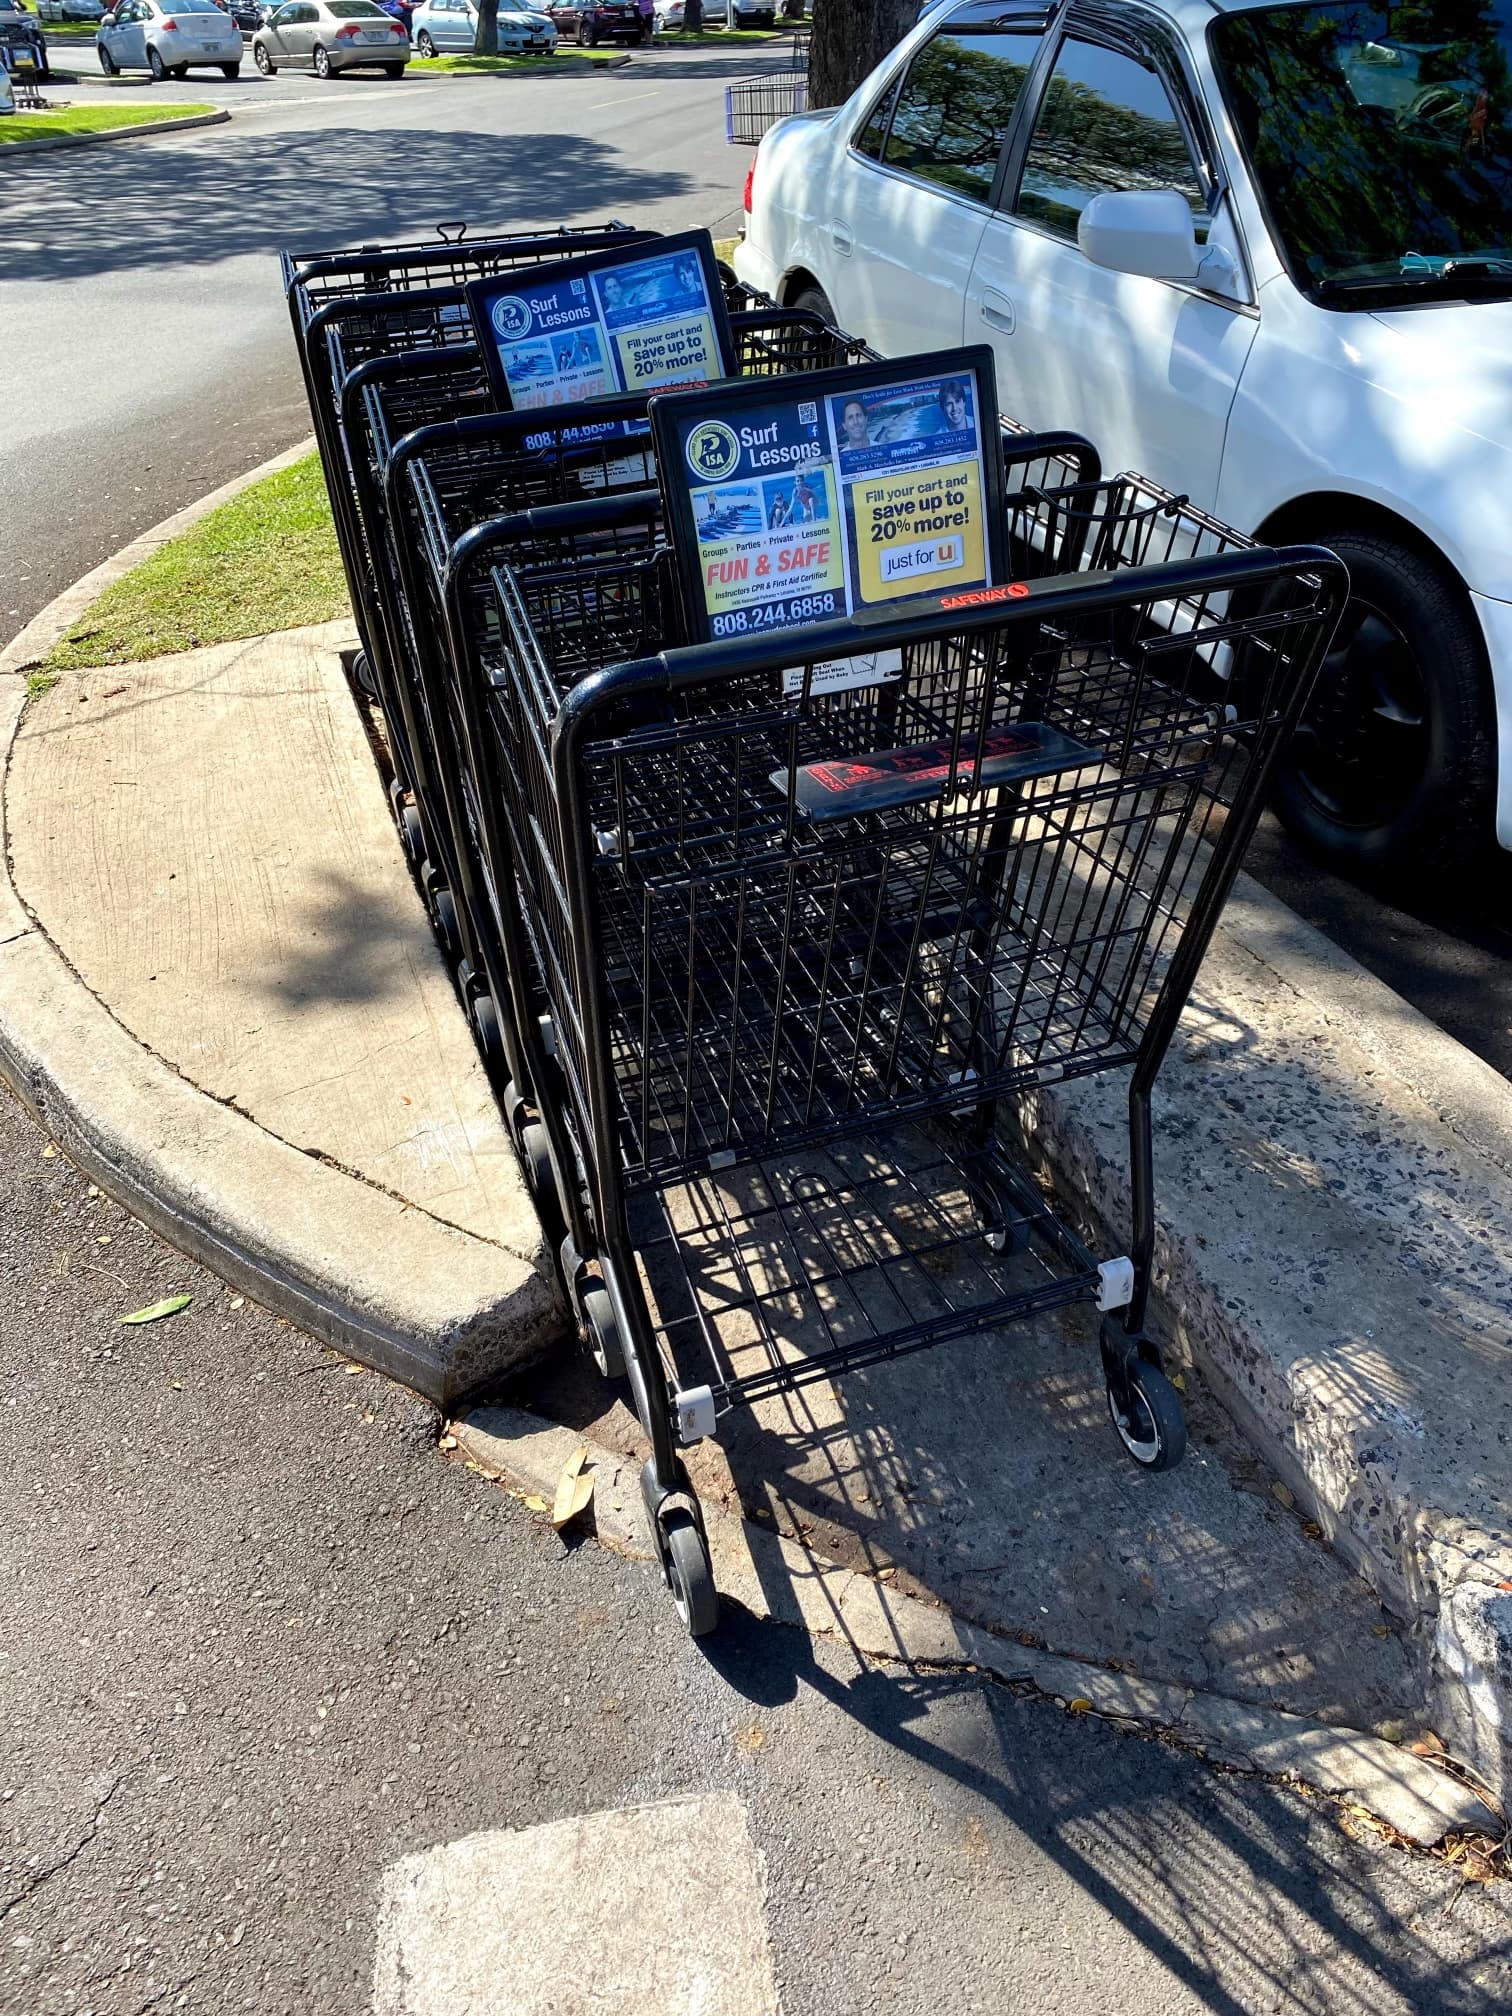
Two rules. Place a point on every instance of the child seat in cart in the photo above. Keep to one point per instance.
(800, 940)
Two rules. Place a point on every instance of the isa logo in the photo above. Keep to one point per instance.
(511, 317)
(712, 450)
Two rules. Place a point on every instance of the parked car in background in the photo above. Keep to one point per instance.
(168, 38)
(753, 14)
(1262, 252)
(667, 15)
(247, 14)
(593, 21)
(331, 36)
(70, 10)
(449, 27)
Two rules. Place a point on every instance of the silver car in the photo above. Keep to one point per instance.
(168, 37)
(330, 36)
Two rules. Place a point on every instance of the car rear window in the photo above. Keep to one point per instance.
(195, 7)
(353, 10)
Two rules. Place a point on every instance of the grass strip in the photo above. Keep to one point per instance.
(77, 120)
(267, 560)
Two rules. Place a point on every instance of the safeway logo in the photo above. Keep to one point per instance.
(974, 598)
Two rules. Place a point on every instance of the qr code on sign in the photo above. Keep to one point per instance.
(580, 287)
(808, 413)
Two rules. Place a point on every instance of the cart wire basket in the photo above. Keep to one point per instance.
(798, 948)
(755, 104)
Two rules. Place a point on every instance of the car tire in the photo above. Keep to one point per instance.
(108, 64)
(231, 71)
(263, 60)
(814, 301)
(1391, 775)
(321, 62)
(589, 36)
(393, 69)
(157, 67)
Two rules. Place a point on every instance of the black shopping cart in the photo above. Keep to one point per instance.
(755, 104)
(797, 948)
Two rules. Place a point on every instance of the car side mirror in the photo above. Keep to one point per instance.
(1143, 231)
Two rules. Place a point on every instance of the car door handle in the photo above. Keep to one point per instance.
(842, 238)
(998, 310)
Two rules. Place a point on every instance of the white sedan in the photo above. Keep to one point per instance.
(168, 38)
(1260, 250)
(450, 27)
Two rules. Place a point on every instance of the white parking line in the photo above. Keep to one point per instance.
(641, 1911)
(624, 98)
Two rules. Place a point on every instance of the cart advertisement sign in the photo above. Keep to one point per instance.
(588, 329)
(848, 492)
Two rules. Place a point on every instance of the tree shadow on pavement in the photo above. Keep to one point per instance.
(1243, 1891)
(325, 188)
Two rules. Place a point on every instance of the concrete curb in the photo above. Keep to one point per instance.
(432, 1306)
(775, 1578)
(32, 643)
(143, 132)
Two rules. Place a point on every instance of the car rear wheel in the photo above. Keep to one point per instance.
(589, 36)
(231, 70)
(157, 66)
(393, 69)
(424, 45)
(1392, 771)
(322, 61)
(263, 60)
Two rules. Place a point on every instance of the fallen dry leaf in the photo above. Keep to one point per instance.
(1380, 1630)
(1079, 1705)
(574, 1491)
(1428, 1744)
(49, 1151)
(351, 1370)
(447, 1442)
(1282, 1496)
(536, 1504)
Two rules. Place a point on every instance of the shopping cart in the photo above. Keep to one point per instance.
(797, 948)
(316, 282)
(755, 104)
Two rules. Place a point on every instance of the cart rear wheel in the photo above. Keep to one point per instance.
(601, 1326)
(443, 911)
(689, 1572)
(1148, 1418)
(412, 833)
(535, 1153)
(484, 1017)
(362, 665)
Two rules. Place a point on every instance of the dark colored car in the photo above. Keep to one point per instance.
(247, 14)
(594, 21)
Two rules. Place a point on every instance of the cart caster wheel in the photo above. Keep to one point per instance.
(412, 834)
(535, 1153)
(443, 913)
(484, 1017)
(689, 1573)
(1004, 1239)
(516, 1115)
(362, 665)
(601, 1328)
(1149, 1422)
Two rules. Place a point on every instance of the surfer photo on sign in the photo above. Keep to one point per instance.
(781, 512)
(805, 503)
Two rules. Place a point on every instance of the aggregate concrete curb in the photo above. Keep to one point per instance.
(433, 1306)
(143, 132)
(775, 1578)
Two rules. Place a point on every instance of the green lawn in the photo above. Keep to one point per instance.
(71, 31)
(265, 561)
(474, 66)
(79, 119)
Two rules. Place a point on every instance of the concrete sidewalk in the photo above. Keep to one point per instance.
(222, 995)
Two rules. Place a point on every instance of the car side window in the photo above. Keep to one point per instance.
(869, 141)
(955, 104)
(1106, 122)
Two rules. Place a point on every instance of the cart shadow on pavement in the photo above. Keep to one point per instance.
(1233, 1891)
(310, 189)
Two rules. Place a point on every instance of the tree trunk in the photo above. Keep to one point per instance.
(486, 41)
(850, 38)
(693, 18)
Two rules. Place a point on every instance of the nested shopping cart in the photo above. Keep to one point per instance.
(797, 948)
